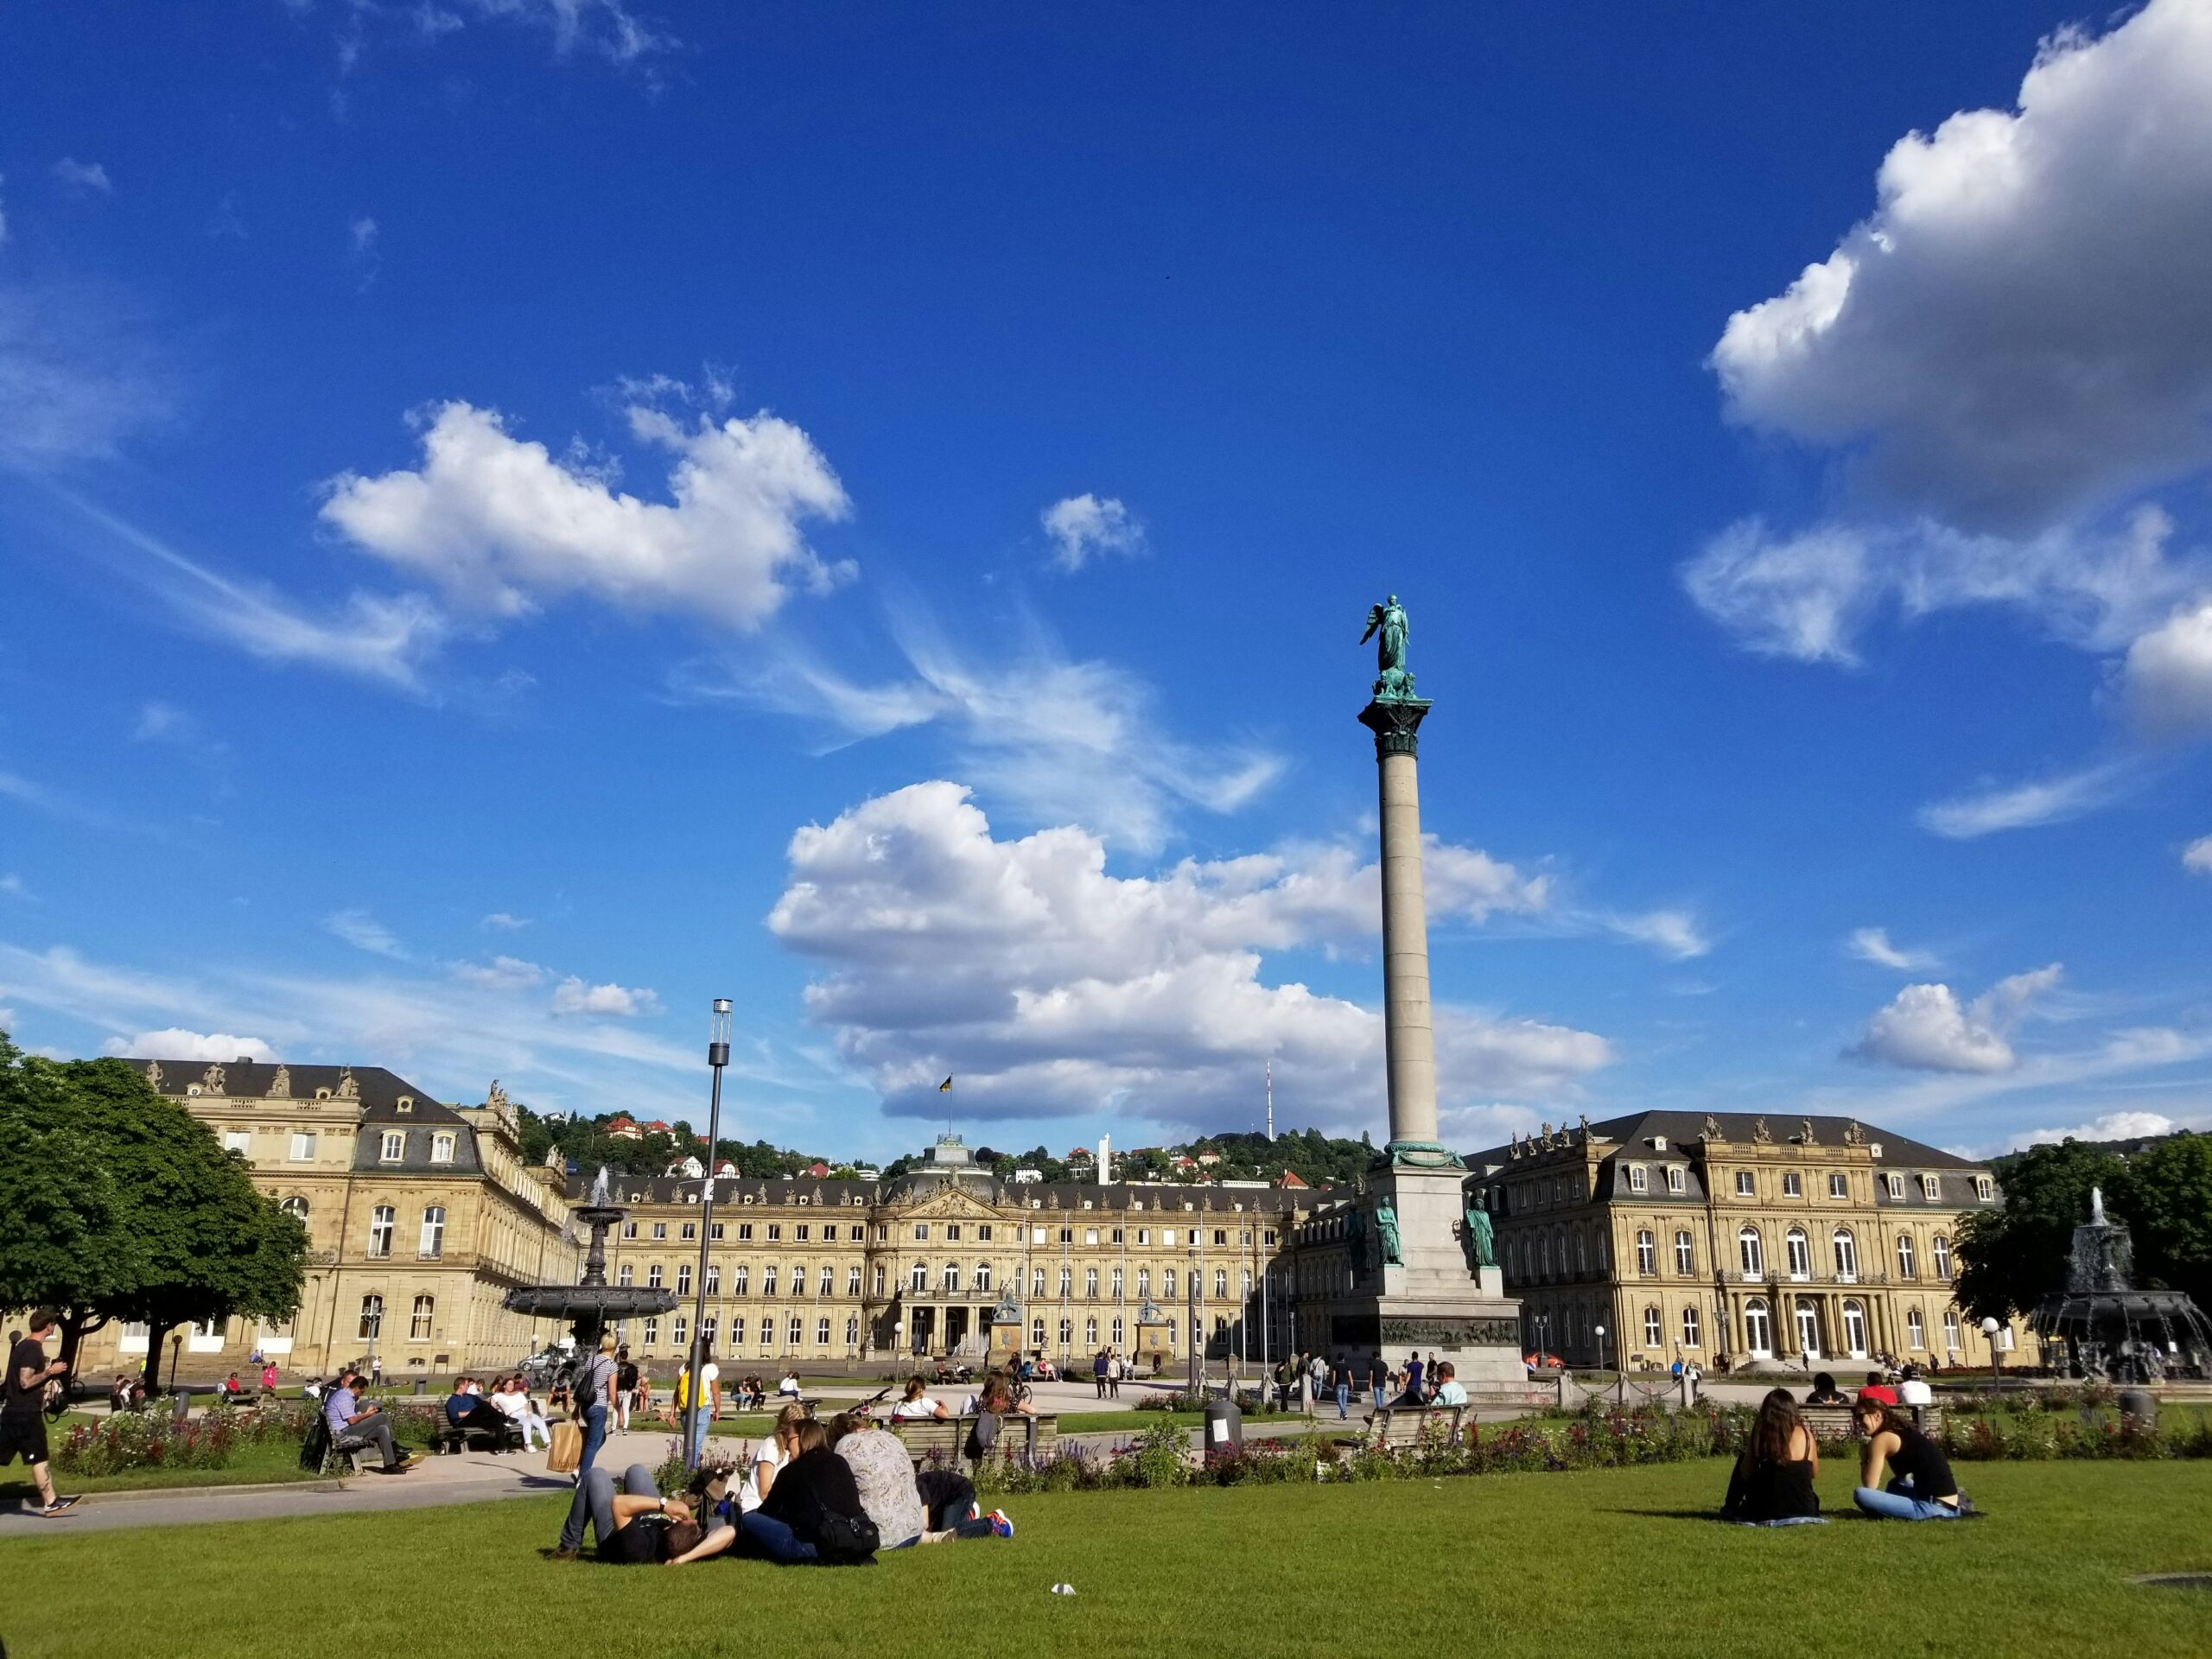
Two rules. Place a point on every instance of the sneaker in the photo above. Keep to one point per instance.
(1967, 1506)
(1001, 1524)
(560, 1553)
(60, 1506)
(975, 1510)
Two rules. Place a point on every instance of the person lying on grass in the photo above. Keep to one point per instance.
(1923, 1488)
(1772, 1482)
(637, 1526)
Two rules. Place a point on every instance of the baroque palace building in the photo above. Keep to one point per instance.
(420, 1218)
(1710, 1237)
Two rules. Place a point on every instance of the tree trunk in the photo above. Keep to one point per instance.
(157, 1338)
(77, 1324)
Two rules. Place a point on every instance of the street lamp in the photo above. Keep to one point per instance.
(718, 1057)
(1990, 1327)
(1601, 1347)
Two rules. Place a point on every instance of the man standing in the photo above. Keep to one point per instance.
(626, 1387)
(1412, 1379)
(1378, 1379)
(1113, 1375)
(1098, 1372)
(1341, 1375)
(351, 1424)
(376, 1370)
(22, 1410)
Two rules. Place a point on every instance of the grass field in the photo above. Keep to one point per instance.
(1603, 1563)
(250, 1465)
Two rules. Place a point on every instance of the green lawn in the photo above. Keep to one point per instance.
(250, 1465)
(1602, 1563)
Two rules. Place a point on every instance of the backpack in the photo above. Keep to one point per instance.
(846, 1540)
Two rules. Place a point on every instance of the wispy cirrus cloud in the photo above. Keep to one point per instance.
(1872, 944)
(2054, 799)
(363, 932)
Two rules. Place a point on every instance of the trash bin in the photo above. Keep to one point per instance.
(1224, 1429)
(180, 1407)
(2140, 1406)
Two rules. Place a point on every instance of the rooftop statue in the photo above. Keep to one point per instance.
(1393, 683)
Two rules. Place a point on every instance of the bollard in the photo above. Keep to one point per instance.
(180, 1407)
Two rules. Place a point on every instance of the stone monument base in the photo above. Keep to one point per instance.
(1429, 1301)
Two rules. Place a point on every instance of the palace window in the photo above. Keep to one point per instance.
(1915, 1330)
(1838, 1188)
(394, 1146)
(1144, 1235)
(741, 1281)
(1637, 1182)
(775, 1234)
(922, 1230)
(1654, 1332)
(736, 1332)
(680, 1332)
(1166, 1238)
(745, 1232)
(1067, 1334)
(714, 1278)
(1750, 1253)
(852, 1282)
(852, 1330)
(715, 1232)
(917, 1277)
(1800, 1249)
(1036, 1282)
(1940, 1248)
(652, 1330)
(1581, 1256)
(432, 1244)
(1116, 1282)
(1647, 1254)
(1220, 1235)
(1067, 1282)
(709, 1328)
(948, 1277)
(1117, 1333)
(953, 1232)
(803, 1232)
(1036, 1333)
(623, 1276)
(237, 1141)
(1067, 1235)
(822, 1333)
(1689, 1327)
(1854, 1329)
(855, 1231)
(660, 1229)
(1951, 1329)
(1985, 1189)
(983, 1233)
(877, 1279)
(302, 1145)
(826, 1281)
(1685, 1253)
(372, 1317)
(653, 1277)
(1677, 1179)
(1905, 1263)
(1221, 1284)
(380, 1221)
(1931, 1188)
(1895, 1183)
(690, 1232)
(1846, 1255)
(882, 1233)
(1090, 1333)
(1167, 1283)
(683, 1279)
(295, 1206)
(1091, 1283)
(418, 1323)
(1144, 1284)
(1758, 1327)
(1746, 1185)
(442, 1148)
(1091, 1234)
(1793, 1184)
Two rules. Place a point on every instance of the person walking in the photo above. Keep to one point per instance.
(626, 1388)
(594, 1404)
(1098, 1372)
(22, 1410)
(1378, 1379)
(1340, 1375)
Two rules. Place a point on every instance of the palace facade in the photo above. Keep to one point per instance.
(420, 1216)
(1710, 1236)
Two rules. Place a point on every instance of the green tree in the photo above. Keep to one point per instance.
(2012, 1258)
(128, 1209)
(2166, 1197)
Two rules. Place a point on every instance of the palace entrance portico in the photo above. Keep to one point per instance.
(945, 1330)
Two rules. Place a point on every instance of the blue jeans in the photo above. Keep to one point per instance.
(1898, 1504)
(1344, 1399)
(572, 1529)
(598, 1494)
(1789, 1520)
(699, 1438)
(775, 1540)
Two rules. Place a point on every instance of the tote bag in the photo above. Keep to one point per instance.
(567, 1450)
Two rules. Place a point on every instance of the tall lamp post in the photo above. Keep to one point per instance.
(718, 1057)
(1990, 1327)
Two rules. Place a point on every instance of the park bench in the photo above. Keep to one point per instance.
(946, 1438)
(1393, 1426)
(506, 1438)
(1834, 1422)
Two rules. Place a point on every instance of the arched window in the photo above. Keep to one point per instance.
(1144, 1284)
(372, 1318)
(1905, 1264)
(1689, 1325)
(1117, 1333)
(1167, 1283)
(875, 1280)
(1750, 1253)
(1581, 1254)
(683, 1279)
(380, 1223)
(1940, 1248)
(794, 1330)
(1808, 1327)
(418, 1324)
(625, 1276)
(431, 1243)
(1543, 1255)
(1951, 1330)
(1915, 1330)
(1067, 1334)
(1647, 1254)
(1116, 1282)
(1800, 1254)
(714, 1278)
(1221, 1284)
(1091, 1283)
(1854, 1329)
(852, 1331)
(1758, 1327)
(918, 1279)
(1685, 1252)
(653, 1278)
(1037, 1285)
(1846, 1255)
(682, 1333)
(295, 1206)
(1067, 1281)
(826, 1281)
(983, 1276)
(1090, 1333)
(741, 1281)
(948, 1277)
(1654, 1334)
(821, 1332)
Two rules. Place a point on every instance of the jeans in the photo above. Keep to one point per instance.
(1898, 1504)
(699, 1438)
(597, 1496)
(572, 1529)
(375, 1430)
(1344, 1399)
(947, 1496)
(775, 1540)
(1789, 1520)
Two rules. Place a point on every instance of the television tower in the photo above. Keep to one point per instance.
(1271, 1100)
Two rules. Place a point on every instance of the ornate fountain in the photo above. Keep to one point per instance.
(2101, 1325)
(591, 1304)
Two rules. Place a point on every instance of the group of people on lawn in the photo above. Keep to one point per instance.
(1772, 1482)
(1418, 1382)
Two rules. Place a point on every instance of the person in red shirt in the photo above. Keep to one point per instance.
(1878, 1389)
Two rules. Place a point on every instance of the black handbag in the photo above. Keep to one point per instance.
(846, 1540)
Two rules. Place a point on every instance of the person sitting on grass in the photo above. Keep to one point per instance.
(813, 1514)
(1772, 1482)
(636, 1526)
(1825, 1392)
(1450, 1391)
(354, 1425)
(22, 1409)
(917, 1403)
(777, 1448)
(1923, 1488)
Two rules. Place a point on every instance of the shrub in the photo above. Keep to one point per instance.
(136, 1441)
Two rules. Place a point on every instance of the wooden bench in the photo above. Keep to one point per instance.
(1834, 1422)
(506, 1438)
(362, 1459)
(946, 1438)
(1392, 1426)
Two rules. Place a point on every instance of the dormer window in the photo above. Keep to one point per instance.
(1677, 1179)
(394, 1146)
(407, 1102)
(1638, 1181)
(442, 1148)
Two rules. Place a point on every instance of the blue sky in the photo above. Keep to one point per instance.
(518, 518)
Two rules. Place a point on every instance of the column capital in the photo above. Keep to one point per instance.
(1395, 722)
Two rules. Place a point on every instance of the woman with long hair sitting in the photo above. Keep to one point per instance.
(1922, 1489)
(1772, 1485)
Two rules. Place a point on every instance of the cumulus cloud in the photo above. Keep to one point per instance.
(1050, 986)
(2020, 329)
(2169, 673)
(175, 1043)
(2112, 1126)
(572, 996)
(85, 178)
(502, 922)
(2054, 799)
(2197, 857)
(363, 932)
(1083, 526)
(1872, 944)
(1927, 1028)
(503, 527)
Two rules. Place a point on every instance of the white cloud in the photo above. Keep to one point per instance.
(12, 884)
(500, 974)
(504, 923)
(363, 234)
(2056, 799)
(1049, 987)
(79, 371)
(2021, 328)
(2197, 857)
(363, 932)
(82, 177)
(610, 29)
(1926, 1027)
(1086, 526)
(501, 527)
(572, 996)
(1872, 944)
(2112, 1126)
(1672, 933)
(176, 1043)
(2168, 672)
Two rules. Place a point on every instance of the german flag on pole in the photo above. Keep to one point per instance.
(945, 1088)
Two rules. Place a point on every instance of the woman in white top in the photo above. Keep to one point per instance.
(788, 1388)
(512, 1397)
(917, 1403)
(775, 1449)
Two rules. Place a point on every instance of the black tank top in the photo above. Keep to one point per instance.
(1922, 1459)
